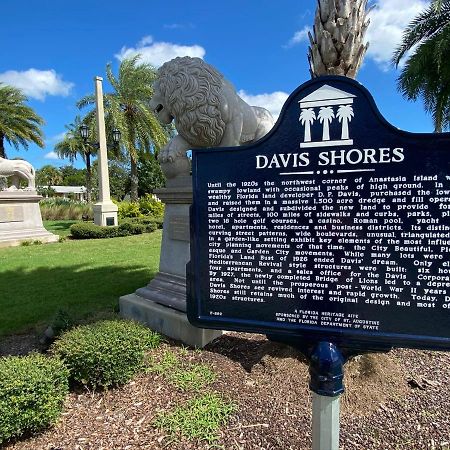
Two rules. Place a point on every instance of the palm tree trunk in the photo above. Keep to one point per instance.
(337, 47)
(2, 146)
(134, 180)
(88, 177)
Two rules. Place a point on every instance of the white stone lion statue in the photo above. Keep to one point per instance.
(17, 169)
(206, 108)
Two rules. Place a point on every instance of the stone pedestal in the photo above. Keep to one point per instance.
(162, 303)
(21, 220)
(105, 213)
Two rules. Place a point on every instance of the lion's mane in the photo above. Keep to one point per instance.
(192, 91)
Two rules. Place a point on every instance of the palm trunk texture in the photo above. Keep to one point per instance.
(2, 146)
(337, 47)
(134, 181)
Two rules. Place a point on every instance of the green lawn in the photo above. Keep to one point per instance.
(59, 227)
(83, 277)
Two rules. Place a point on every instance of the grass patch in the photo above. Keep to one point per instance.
(59, 227)
(84, 278)
(199, 419)
(184, 376)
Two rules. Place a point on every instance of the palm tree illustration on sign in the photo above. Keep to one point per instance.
(307, 117)
(344, 115)
(326, 115)
(325, 104)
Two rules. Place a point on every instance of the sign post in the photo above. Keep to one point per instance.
(326, 383)
(332, 233)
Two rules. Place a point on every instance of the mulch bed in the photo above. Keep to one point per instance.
(393, 401)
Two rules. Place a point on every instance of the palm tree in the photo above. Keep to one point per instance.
(19, 124)
(307, 117)
(337, 47)
(345, 114)
(48, 176)
(426, 72)
(127, 108)
(326, 114)
(73, 145)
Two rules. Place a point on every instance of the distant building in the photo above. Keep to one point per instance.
(70, 192)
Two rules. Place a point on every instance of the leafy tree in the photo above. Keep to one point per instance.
(19, 124)
(426, 72)
(73, 145)
(337, 45)
(127, 108)
(119, 179)
(150, 174)
(72, 176)
(48, 176)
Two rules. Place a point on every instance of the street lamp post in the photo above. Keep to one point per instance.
(105, 211)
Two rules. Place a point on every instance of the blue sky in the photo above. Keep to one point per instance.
(52, 49)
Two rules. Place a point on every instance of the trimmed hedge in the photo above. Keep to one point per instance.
(127, 228)
(106, 353)
(91, 231)
(32, 393)
(132, 228)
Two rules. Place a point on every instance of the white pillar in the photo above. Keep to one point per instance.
(105, 211)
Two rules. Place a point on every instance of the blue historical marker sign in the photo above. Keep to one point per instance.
(335, 226)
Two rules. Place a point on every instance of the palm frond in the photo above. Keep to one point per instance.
(424, 26)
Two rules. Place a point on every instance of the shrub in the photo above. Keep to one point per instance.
(32, 393)
(128, 209)
(150, 223)
(63, 209)
(149, 206)
(105, 353)
(132, 228)
(86, 230)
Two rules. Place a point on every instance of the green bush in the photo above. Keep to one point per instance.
(64, 209)
(149, 206)
(150, 223)
(32, 393)
(105, 353)
(128, 209)
(132, 228)
(87, 230)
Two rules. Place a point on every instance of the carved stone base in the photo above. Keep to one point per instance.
(21, 220)
(164, 320)
(166, 289)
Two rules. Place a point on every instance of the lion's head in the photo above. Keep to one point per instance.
(189, 91)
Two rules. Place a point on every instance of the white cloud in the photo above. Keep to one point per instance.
(273, 102)
(299, 36)
(157, 53)
(37, 83)
(387, 21)
(56, 138)
(51, 155)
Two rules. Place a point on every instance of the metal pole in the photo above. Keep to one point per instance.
(325, 422)
(326, 371)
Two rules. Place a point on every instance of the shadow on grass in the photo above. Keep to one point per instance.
(63, 225)
(30, 298)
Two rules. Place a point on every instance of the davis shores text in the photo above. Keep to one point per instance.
(331, 158)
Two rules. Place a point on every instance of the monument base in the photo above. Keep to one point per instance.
(21, 220)
(165, 320)
(105, 214)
